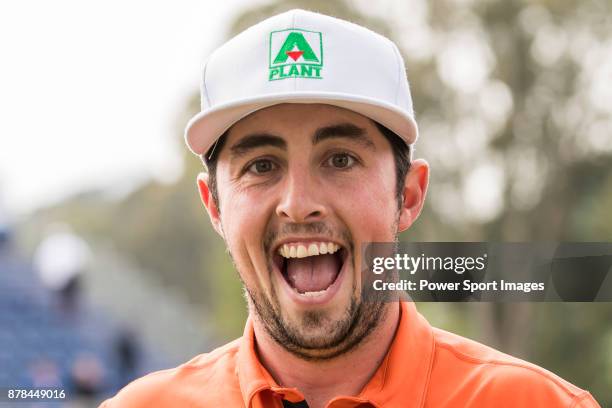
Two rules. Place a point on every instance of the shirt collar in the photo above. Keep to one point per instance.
(401, 379)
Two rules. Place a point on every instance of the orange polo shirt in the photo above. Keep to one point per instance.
(425, 367)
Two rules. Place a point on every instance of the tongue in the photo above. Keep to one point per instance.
(313, 273)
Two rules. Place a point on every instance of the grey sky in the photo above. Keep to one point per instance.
(91, 91)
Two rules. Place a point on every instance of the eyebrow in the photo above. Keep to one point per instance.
(341, 130)
(256, 140)
(345, 131)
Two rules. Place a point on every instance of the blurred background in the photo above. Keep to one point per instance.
(109, 268)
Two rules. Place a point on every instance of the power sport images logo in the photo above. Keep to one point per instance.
(295, 53)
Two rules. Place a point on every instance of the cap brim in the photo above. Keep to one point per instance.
(207, 126)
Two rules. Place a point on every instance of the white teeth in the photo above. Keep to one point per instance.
(303, 251)
(313, 294)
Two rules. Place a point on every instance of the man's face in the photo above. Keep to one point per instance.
(301, 187)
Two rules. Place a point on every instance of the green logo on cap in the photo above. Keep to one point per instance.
(295, 53)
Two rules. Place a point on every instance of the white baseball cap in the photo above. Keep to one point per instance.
(303, 57)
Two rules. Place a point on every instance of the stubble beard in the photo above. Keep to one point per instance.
(313, 335)
(338, 337)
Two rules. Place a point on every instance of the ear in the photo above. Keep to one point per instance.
(209, 203)
(415, 189)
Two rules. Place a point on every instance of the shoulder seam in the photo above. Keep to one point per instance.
(578, 398)
(210, 357)
(534, 369)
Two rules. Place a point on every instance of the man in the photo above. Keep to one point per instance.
(306, 129)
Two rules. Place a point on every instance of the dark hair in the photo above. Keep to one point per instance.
(401, 155)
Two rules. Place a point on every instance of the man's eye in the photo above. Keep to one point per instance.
(261, 166)
(341, 161)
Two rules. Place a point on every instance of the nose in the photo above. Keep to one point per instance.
(301, 199)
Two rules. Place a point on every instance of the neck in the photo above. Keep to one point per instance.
(321, 381)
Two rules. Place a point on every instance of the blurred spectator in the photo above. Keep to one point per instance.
(44, 372)
(61, 259)
(128, 354)
(87, 375)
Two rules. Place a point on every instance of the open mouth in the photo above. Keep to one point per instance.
(311, 268)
